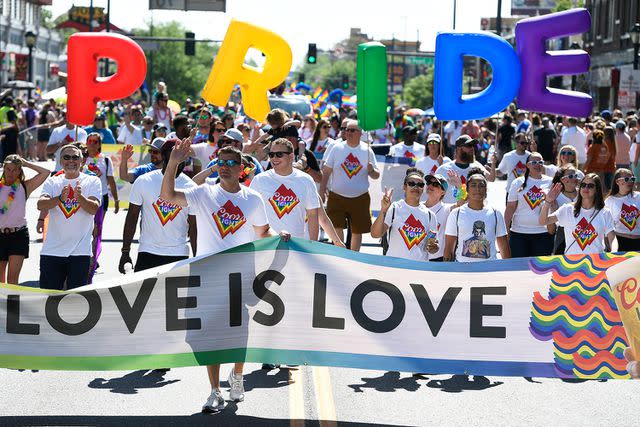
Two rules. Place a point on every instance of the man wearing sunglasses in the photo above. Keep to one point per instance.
(154, 156)
(227, 215)
(408, 148)
(72, 199)
(514, 163)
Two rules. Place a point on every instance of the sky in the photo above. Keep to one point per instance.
(301, 22)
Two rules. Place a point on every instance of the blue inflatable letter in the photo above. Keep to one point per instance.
(449, 103)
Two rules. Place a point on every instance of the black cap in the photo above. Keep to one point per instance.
(465, 140)
(409, 129)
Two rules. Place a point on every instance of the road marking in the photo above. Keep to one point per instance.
(324, 396)
(296, 398)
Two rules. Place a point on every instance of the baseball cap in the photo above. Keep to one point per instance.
(605, 114)
(465, 140)
(157, 143)
(620, 124)
(433, 137)
(157, 127)
(441, 180)
(234, 134)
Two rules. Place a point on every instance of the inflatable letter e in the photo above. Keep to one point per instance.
(85, 88)
(229, 68)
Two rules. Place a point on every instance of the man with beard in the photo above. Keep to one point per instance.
(463, 162)
(155, 163)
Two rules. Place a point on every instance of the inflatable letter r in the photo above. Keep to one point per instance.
(229, 68)
(84, 88)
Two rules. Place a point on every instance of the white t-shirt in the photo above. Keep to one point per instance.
(414, 151)
(322, 144)
(441, 211)
(452, 131)
(224, 219)
(452, 191)
(513, 165)
(410, 227)
(585, 234)
(127, 137)
(102, 168)
(287, 199)
(530, 200)
(349, 177)
(563, 200)
(577, 138)
(330, 145)
(625, 211)
(205, 152)
(476, 231)
(163, 228)
(70, 227)
(62, 133)
(429, 166)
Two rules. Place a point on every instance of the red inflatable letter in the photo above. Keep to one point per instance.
(85, 88)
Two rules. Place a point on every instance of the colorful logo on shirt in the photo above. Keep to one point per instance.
(584, 233)
(70, 206)
(229, 219)
(93, 169)
(68, 138)
(412, 232)
(283, 201)
(534, 197)
(351, 165)
(166, 211)
(629, 216)
(434, 168)
(412, 157)
(519, 170)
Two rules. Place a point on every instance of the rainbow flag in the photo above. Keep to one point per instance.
(323, 96)
(316, 93)
(346, 101)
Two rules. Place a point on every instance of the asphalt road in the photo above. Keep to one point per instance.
(300, 396)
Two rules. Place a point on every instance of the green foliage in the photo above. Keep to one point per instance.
(46, 18)
(185, 76)
(328, 73)
(566, 5)
(418, 92)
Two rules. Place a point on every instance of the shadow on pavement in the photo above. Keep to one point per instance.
(260, 379)
(460, 383)
(130, 383)
(389, 382)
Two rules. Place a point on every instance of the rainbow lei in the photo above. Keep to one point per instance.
(12, 195)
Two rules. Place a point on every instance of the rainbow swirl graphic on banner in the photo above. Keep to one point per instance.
(580, 316)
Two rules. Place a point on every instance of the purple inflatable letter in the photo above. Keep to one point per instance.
(537, 63)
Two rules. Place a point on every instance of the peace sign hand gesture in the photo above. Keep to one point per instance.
(386, 200)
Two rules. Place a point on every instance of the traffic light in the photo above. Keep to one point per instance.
(189, 45)
(312, 54)
(345, 82)
(301, 78)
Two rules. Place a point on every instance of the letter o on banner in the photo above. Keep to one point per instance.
(84, 88)
(51, 310)
(377, 326)
(449, 102)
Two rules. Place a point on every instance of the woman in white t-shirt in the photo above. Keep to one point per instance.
(588, 225)
(433, 158)
(567, 177)
(321, 140)
(308, 128)
(413, 227)
(436, 189)
(624, 204)
(473, 230)
(567, 155)
(524, 199)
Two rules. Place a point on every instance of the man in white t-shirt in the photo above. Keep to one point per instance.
(166, 228)
(128, 132)
(290, 195)
(71, 199)
(227, 215)
(408, 148)
(348, 198)
(514, 163)
(61, 136)
(574, 135)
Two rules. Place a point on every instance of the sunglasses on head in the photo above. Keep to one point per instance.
(566, 153)
(278, 154)
(415, 184)
(536, 162)
(230, 163)
(70, 157)
(627, 179)
(589, 185)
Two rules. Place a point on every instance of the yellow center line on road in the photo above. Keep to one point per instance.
(324, 396)
(296, 398)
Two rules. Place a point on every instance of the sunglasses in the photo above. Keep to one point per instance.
(415, 184)
(525, 142)
(433, 183)
(571, 176)
(70, 157)
(477, 185)
(589, 185)
(230, 163)
(325, 127)
(92, 141)
(351, 130)
(219, 129)
(433, 143)
(343, 129)
(627, 179)
(278, 154)
(154, 151)
(536, 162)
(566, 153)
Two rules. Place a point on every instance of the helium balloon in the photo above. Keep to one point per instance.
(372, 85)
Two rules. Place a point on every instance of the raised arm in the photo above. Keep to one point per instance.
(168, 191)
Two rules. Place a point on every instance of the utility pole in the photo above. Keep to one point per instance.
(91, 16)
(455, 5)
(499, 18)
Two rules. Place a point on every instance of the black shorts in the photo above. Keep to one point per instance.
(44, 134)
(14, 244)
(148, 260)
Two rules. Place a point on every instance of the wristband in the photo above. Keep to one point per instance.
(123, 250)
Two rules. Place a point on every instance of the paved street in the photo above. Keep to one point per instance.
(303, 395)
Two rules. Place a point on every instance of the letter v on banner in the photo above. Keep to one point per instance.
(229, 68)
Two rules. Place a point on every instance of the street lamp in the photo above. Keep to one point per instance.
(30, 39)
(574, 46)
(635, 40)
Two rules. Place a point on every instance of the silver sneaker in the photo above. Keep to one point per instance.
(215, 402)
(237, 387)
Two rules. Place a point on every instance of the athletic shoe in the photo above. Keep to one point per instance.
(269, 366)
(215, 402)
(237, 387)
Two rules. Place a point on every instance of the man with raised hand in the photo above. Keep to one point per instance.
(227, 215)
(154, 156)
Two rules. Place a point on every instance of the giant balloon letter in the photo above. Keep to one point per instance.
(85, 88)
(537, 63)
(229, 68)
(449, 103)
(372, 85)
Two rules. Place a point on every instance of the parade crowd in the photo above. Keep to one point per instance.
(217, 179)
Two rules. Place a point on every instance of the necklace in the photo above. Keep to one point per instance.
(93, 166)
(12, 195)
(163, 115)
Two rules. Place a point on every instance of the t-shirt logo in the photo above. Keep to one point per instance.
(283, 201)
(434, 168)
(68, 138)
(534, 197)
(166, 211)
(519, 170)
(229, 219)
(584, 233)
(351, 165)
(629, 216)
(70, 206)
(412, 232)
(412, 157)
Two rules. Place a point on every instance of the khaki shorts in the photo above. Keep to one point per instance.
(353, 209)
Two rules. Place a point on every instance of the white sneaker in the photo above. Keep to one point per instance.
(237, 387)
(215, 402)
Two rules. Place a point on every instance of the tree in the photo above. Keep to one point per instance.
(418, 92)
(566, 5)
